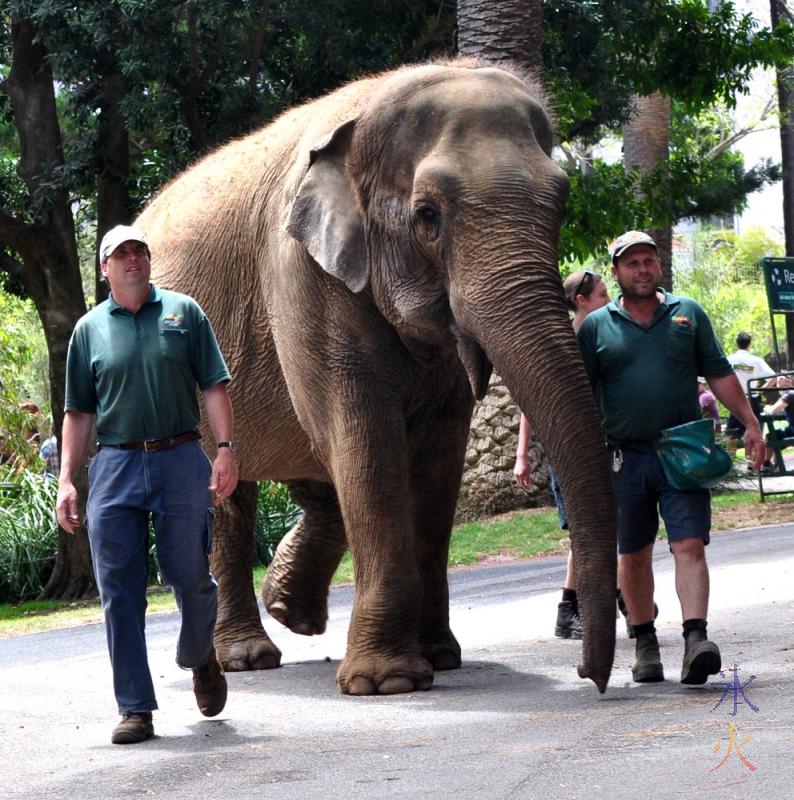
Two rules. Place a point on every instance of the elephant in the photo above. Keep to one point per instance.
(367, 259)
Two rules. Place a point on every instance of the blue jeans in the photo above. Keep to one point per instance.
(124, 488)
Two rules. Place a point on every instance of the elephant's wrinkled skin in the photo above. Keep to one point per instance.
(365, 259)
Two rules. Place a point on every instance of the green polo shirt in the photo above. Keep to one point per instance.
(646, 378)
(138, 372)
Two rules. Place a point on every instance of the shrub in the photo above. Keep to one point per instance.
(29, 530)
(276, 513)
(28, 534)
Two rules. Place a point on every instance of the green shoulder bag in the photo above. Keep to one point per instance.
(690, 457)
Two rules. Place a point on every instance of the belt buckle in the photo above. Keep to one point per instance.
(150, 445)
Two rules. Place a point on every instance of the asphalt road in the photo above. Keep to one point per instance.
(514, 722)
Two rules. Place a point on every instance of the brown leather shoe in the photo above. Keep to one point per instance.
(133, 728)
(209, 686)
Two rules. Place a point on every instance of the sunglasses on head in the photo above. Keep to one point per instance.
(588, 273)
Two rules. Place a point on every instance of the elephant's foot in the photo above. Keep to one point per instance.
(385, 675)
(247, 650)
(301, 614)
(443, 651)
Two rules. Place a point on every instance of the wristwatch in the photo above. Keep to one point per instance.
(229, 444)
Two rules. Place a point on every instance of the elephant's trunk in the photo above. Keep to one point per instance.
(526, 333)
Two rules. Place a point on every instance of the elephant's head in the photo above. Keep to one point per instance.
(441, 198)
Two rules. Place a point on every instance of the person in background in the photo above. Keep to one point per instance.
(31, 434)
(49, 455)
(784, 405)
(585, 291)
(133, 367)
(747, 366)
(708, 404)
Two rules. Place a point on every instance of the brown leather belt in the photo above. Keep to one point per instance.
(153, 445)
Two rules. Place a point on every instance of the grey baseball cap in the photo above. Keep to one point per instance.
(629, 239)
(118, 235)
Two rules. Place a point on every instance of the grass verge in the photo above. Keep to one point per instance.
(519, 534)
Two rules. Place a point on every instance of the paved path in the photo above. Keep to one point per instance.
(514, 722)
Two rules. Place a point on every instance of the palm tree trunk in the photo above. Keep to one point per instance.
(646, 142)
(500, 31)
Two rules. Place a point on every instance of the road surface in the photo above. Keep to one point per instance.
(514, 722)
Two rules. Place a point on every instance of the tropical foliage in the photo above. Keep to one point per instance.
(721, 272)
(23, 377)
(28, 533)
(276, 513)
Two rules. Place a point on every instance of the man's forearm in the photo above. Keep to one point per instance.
(219, 412)
(75, 438)
(728, 391)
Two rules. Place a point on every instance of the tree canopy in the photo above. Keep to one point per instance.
(147, 85)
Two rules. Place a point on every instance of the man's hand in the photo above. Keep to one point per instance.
(67, 508)
(754, 446)
(521, 471)
(224, 475)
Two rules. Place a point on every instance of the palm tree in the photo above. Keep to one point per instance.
(500, 31)
(504, 31)
(646, 142)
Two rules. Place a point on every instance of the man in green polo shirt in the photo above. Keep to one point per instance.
(643, 353)
(133, 367)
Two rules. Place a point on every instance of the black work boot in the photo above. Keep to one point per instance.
(701, 657)
(648, 663)
(568, 626)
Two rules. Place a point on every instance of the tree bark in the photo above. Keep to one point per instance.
(113, 195)
(502, 31)
(646, 142)
(48, 250)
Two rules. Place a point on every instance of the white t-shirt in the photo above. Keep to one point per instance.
(748, 366)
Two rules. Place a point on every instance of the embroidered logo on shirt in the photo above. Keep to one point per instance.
(173, 321)
(683, 321)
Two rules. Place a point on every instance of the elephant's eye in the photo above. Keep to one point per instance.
(428, 214)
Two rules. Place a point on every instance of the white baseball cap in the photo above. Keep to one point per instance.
(629, 239)
(118, 235)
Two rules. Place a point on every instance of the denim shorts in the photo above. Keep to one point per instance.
(556, 492)
(642, 493)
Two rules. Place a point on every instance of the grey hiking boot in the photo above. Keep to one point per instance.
(701, 659)
(133, 728)
(568, 626)
(209, 686)
(648, 663)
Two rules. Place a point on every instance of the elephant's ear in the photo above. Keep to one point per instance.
(325, 216)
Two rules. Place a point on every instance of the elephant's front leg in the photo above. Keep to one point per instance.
(240, 640)
(382, 645)
(296, 587)
(437, 457)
